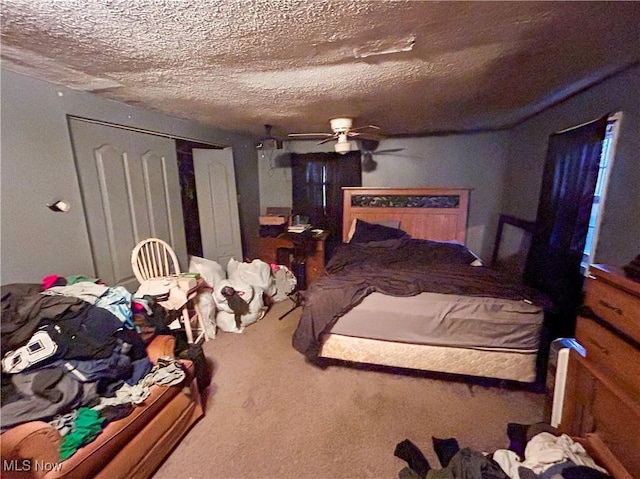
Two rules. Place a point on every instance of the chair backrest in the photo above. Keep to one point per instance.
(153, 258)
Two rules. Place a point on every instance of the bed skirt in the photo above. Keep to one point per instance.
(493, 363)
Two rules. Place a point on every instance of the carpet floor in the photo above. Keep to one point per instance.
(272, 415)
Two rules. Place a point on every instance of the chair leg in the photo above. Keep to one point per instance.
(199, 319)
(187, 323)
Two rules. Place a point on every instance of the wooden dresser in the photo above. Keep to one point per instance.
(314, 261)
(602, 395)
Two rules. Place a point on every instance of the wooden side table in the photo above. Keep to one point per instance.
(314, 260)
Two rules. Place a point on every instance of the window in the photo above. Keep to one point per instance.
(317, 180)
(606, 162)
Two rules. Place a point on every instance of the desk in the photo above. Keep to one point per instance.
(314, 260)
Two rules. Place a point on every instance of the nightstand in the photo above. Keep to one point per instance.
(279, 250)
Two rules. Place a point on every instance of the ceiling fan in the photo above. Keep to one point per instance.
(369, 149)
(342, 132)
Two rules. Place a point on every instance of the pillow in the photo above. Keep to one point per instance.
(366, 232)
(389, 223)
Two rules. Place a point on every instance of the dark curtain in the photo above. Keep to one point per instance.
(317, 180)
(566, 197)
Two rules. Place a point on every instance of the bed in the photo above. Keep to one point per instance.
(419, 301)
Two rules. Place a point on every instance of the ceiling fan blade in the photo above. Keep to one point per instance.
(314, 135)
(326, 141)
(370, 136)
(372, 127)
(388, 151)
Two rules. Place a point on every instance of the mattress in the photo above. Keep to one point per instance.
(477, 336)
(445, 320)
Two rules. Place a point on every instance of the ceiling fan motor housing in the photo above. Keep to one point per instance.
(340, 125)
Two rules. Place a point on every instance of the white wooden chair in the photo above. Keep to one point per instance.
(155, 258)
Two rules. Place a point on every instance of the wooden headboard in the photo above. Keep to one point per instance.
(438, 214)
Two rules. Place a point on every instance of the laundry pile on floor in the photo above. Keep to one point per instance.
(536, 451)
(73, 355)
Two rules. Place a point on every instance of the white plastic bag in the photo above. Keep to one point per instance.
(257, 273)
(285, 282)
(244, 290)
(211, 271)
(207, 307)
(225, 317)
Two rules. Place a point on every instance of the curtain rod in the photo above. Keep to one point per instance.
(610, 117)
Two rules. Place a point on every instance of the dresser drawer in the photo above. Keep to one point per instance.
(616, 306)
(610, 354)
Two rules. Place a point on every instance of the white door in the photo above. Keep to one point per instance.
(217, 205)
(131, 191)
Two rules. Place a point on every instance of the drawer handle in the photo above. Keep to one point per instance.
(611, 307)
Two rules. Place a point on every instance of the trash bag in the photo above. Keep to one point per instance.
(257, 273)
(207, 306)
(226, 317)
(211, 271)
(285, 282)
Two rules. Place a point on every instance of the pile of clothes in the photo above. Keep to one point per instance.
(536, 451)
(72, 355)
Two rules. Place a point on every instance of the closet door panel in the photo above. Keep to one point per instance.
(217, 205)
(117, 229)
(131, 191)
(163, 198)
(156, 194)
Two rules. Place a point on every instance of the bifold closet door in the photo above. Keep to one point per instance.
(131, 191)
(217, 205)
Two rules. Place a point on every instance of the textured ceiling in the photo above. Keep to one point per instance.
(411, 67)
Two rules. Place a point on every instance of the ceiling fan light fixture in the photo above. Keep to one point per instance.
(342, 133)
(342, 146)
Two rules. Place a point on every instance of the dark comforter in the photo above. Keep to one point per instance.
(402, 267)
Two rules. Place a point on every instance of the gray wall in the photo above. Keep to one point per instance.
(475, 161)
(505, 168)
(37, 167)
(619, 239)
